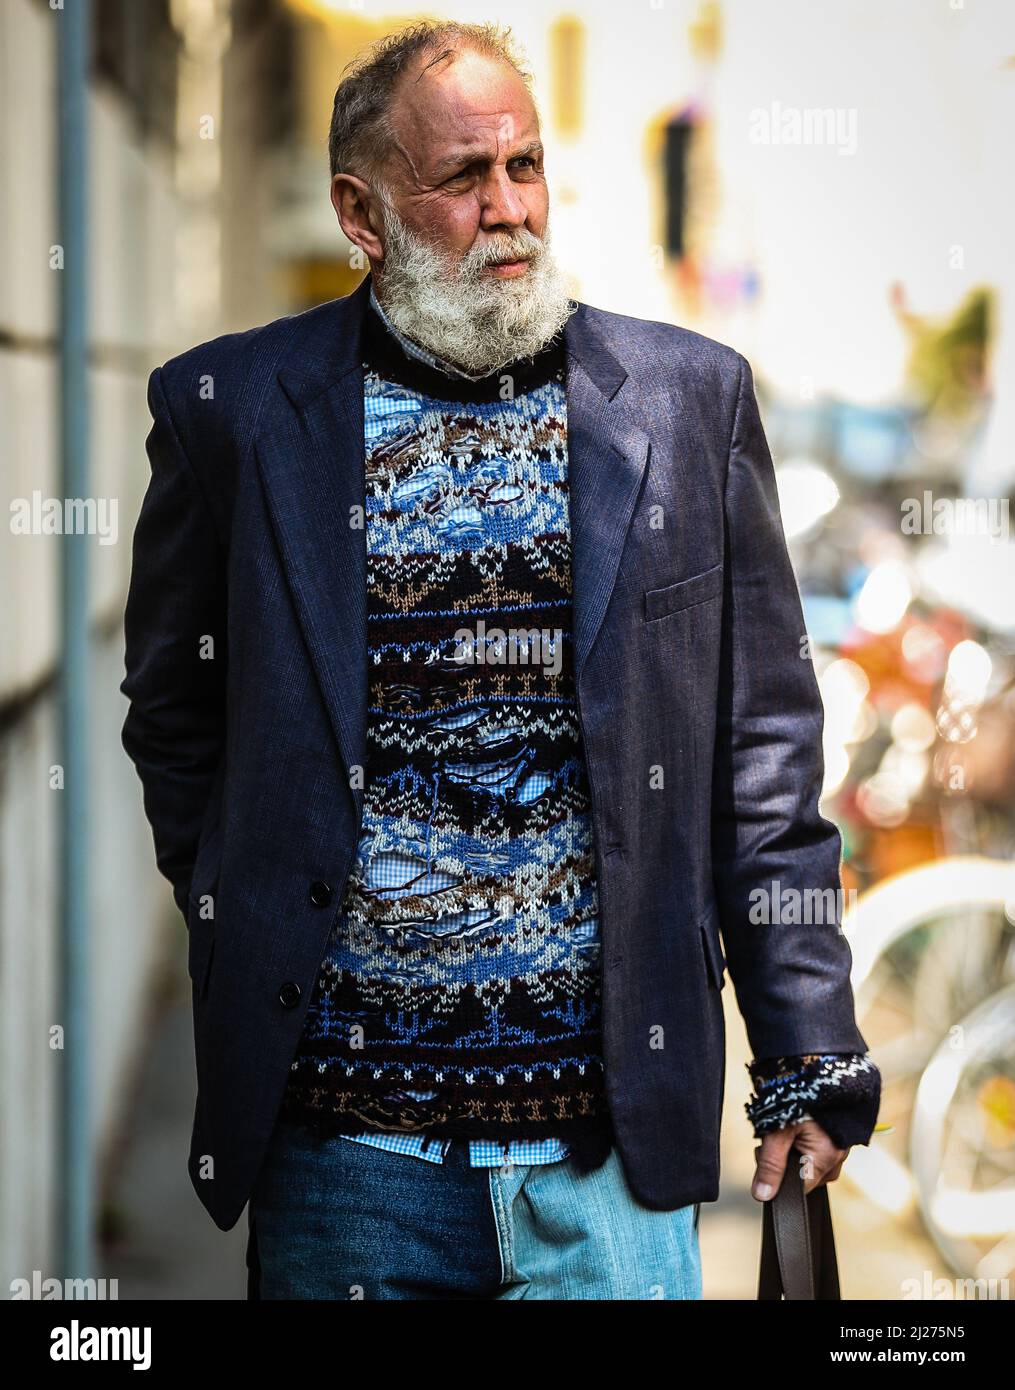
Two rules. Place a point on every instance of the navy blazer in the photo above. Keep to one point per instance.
(246, 678)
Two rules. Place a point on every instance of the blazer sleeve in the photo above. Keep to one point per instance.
(174, 731)
(769, 841)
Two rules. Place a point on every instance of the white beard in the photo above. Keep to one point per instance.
(464, 315)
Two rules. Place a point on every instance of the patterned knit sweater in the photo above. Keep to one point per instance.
(460, 992)
(470, 763)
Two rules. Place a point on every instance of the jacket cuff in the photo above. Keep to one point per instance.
(841, 1091)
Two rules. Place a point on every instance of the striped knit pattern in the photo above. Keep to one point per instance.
(460, 991)
(840, 1091)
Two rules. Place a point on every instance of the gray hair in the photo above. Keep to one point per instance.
(361, 136)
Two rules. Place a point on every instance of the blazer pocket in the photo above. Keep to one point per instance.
(686, 593)
(715, 959)
(200, 943)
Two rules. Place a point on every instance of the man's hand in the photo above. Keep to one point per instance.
(822, 1161)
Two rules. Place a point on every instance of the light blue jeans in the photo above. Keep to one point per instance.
(334, 1219)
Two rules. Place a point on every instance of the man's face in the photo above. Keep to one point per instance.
(465, 268)
(466, 173)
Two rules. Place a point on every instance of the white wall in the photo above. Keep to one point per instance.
(133, 918)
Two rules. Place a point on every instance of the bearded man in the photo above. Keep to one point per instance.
(466, 690)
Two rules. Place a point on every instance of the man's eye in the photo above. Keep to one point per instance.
(470, 169)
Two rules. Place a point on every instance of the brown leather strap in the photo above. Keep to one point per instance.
(797, 1243)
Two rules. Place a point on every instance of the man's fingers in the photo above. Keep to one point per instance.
(771, 1162)
(821, 1160)
(830, 1176)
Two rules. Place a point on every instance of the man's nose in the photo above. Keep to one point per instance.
(502, 204)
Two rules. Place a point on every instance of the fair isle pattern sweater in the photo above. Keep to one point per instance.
(841, 1091)
(483, 1153)
(460, 993)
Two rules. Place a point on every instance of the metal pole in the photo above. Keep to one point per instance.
(75, 1176)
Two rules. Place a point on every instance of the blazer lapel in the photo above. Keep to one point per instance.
(607, 453)
(312, 466)
(313, 473)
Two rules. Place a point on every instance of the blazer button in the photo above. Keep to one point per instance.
(320, 893)
(289, 995)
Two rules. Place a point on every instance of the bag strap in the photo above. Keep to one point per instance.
(798, 1258)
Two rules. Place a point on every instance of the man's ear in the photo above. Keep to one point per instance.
(350, 197)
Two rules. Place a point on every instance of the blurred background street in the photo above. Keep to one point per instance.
(827, 189)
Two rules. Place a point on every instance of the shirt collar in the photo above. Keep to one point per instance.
(414, 349)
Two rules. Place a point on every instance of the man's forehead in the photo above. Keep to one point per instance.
(472, 106)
